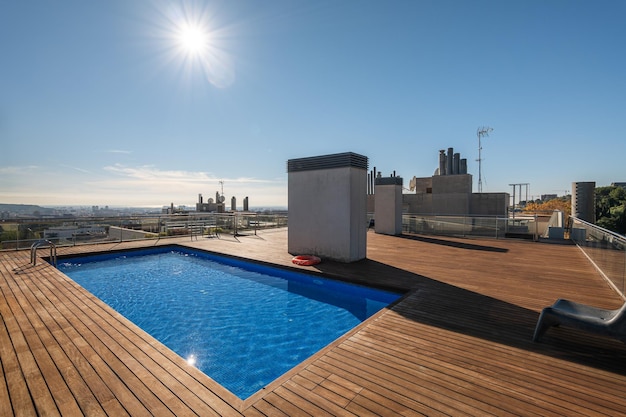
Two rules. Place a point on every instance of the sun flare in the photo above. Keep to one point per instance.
(193, 40)
(196, 43)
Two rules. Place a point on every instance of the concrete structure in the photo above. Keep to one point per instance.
(327, 206)
(440, 194)
(72, 232)
(209, 206)
(216, 206)
(584, 201)
(388, 205)
(448, 192)
(124, 234)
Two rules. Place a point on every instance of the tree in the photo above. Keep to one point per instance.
(563, 204)
(611, 208)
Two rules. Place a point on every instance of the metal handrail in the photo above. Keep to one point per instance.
(33, 251)
(606, 232)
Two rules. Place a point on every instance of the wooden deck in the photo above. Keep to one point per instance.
(459, 343)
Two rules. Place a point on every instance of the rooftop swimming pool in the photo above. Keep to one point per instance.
(242, 323)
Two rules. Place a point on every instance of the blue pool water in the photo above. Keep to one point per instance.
(241, 323)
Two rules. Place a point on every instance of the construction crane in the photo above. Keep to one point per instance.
(481, 132)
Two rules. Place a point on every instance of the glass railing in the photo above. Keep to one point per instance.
(606, 249)
(21, 233)
(521, 226)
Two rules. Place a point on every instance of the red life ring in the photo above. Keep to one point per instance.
(306, 260)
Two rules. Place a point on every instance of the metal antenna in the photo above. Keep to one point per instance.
(480, 132)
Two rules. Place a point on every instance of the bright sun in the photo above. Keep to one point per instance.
(194, 40)
(197, 45)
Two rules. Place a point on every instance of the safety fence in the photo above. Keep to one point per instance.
(22, 233)
(605, 249)
(521, 226)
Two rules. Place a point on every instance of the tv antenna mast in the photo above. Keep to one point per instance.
(481, 132)
(221, 198)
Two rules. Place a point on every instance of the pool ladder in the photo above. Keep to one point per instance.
(53, 251)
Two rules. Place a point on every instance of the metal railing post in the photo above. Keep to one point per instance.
(497, 227)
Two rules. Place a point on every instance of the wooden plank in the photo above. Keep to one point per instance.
(286, 407)
(505, 369)
(31, 360)
(17, 398)
(74, 358)
(403, 384)
(313, 403)
(458, 345)
(370, 403)
(151, 389)
(156, 357)
(462, 381)
(154, 352)
(265, 408)
(414, 400)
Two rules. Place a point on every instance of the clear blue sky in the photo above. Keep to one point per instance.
(102, 103)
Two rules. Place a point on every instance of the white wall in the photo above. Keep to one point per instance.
(388, 217)
(328, 213)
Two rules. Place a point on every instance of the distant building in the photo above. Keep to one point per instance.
(218, 206)
(210, 206)
(104, 211)
(174, 210)
(447, 192)
(618, 184)
(547, 197)
(584, 201)
(72, 232)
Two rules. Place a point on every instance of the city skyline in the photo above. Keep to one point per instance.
(147, 103)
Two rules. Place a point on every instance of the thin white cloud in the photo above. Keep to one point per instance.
(14, 170)
(119, 151)
(150, 173)
(84, 171)
(141, 186)
(154, 184)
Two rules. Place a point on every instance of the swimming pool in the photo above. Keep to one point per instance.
(244, 324)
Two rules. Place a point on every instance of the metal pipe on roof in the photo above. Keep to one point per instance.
(463, 166)
(442, 162)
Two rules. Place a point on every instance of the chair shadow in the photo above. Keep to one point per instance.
(446, 306)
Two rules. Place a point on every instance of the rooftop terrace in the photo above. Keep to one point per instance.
(459, 343)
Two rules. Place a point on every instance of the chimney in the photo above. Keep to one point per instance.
(442, 162)
(463, 166)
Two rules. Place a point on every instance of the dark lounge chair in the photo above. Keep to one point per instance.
(580, 316)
